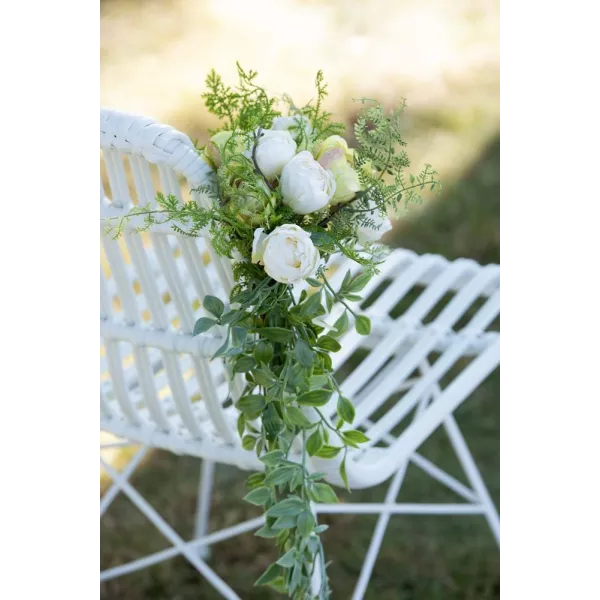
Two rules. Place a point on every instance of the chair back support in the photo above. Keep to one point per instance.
(152, 288)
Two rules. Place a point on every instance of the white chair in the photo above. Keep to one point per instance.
(160, 390)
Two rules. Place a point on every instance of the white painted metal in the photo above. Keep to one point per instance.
(160, 389)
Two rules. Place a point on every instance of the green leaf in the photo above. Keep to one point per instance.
(296, 577)
(214, 306)
(353, 297)
(312, 304)
(321, 528)
(269, 575)
(341, 325)
(328, 451)
(286, 508)
(263, 378)
(267, 532)
(296, 417)
(314, 398)
(276, 334)
(232, 316)
(272, 422)
(346, 280)
(280, 475)
(323, 492)
(320, 238)
(222, 350)
(259, 496)
(345, 409)
(248, 442)
(244, 364)
(314, 442)
(305, 523)
(297, 480)
(241, 424)
(203, 324)
(358, 437)
(287, 522)
(251, 405)
(363, 325)
(255, 480)
(359, 282)
(238, 335)
(328, 343)
(318, 381)
(344, 474)
(278, 584)
(313, 282)
(303, 353)
(263, 352)
(272, 458)
(329, 300)
(287, 560)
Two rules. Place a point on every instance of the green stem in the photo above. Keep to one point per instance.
(335, 295)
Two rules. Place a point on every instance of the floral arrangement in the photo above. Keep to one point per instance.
(288, 194)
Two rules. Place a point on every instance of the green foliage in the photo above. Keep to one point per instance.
(278, 344)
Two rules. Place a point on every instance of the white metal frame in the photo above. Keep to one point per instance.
(151, 294)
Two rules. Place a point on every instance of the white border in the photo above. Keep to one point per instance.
(550, 302)
(49, 442)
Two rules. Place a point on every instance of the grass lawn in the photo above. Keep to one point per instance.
(422, 558)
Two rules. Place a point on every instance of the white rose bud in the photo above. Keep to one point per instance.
(305, 185)
(273, 151)
(287, 253)
(347, 182)
(382, 225)
(298, 126)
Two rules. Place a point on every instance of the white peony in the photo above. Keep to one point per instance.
(305, 185)
(273, 151)
(382, 225)
(296, 125)
(287, 253)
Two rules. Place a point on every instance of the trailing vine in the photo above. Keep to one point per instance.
(280, 221)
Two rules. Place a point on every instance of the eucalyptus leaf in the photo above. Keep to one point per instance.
(238, 335)
(203, 324)
(214, 306)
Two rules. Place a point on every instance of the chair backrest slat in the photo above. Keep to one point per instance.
(153, 286)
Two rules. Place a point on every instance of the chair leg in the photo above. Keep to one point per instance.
(473, 475)
(203, 505)
(377, 539)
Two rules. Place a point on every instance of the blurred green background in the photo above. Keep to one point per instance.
(443, 57)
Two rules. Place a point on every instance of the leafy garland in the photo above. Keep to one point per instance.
(276, 339)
